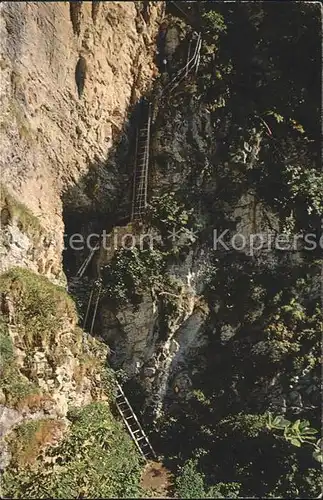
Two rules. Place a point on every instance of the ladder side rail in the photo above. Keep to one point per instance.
(141, 196)
(139, 426)
(86, 262)
(134, 178)
(181, 80)
(139, 164)
(188, 56)
(88, 308)
(140, 186)
(147, 157)
(95, 309)
(134, 415)
(179, 74)
(82, 268)
(198, 57)
(191, 62)
(131, 434)
(198, 63)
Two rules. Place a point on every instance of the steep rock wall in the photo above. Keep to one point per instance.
(68, 75)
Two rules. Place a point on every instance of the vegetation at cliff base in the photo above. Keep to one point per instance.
(96, 459)
(89, 453)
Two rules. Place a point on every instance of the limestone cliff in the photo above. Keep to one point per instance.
(207, 338)
(69, 72)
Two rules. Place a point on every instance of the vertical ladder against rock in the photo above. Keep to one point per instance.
(141, 164)
(133, 426)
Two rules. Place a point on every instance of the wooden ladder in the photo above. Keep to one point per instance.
(133, 426)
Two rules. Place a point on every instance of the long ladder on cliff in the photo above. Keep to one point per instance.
(133, 426)
(140, 177)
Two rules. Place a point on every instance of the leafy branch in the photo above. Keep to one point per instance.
(297, 433)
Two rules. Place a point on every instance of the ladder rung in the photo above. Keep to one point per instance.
(128, 418)
(142, 437)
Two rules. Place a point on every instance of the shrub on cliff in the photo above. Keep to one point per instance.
(96, 459)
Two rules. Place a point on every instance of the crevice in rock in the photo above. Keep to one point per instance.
(95, 10)
(80, 75)
(75, 16)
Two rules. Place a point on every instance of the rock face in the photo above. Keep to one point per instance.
(48, 365)
(68, 75)
(71, 72)
(144, 347)
(185, 147)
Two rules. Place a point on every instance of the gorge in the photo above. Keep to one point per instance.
(216, 346)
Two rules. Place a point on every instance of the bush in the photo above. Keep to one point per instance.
(97, 459)
(130, 273)
(190, 484)
(40, 308)
(15, 386)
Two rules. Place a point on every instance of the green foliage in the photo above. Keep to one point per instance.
(261, 88)
(130, 273)
(304, 186)
(285, 172)
(97, 459)
(247, 424)
(297, 433)
(262, 455)
(276, 308)
(167, 213)
(15, 386)
(40, 308)
(214, 22)
(6, 346)
(191, 484)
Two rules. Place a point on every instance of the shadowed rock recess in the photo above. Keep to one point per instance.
(182, 140)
